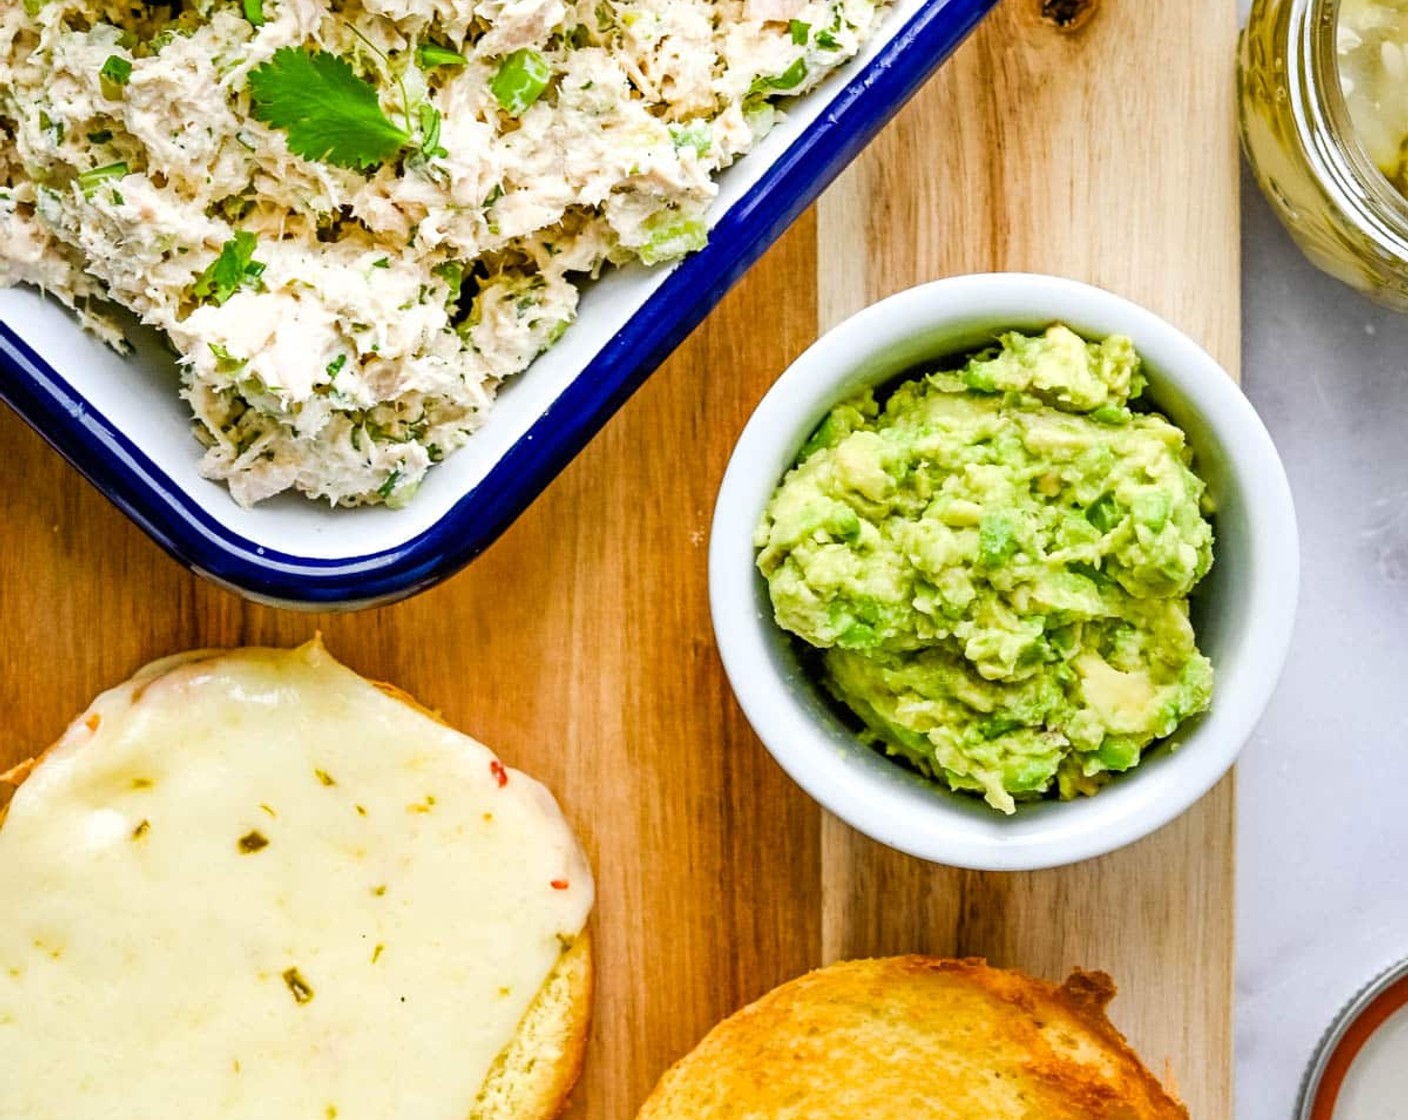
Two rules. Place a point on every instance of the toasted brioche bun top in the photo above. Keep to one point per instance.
(916, 1038)
(254, 884)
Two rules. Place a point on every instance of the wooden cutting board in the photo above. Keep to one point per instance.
(580, 647)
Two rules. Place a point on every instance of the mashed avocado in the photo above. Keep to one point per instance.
(995, 564)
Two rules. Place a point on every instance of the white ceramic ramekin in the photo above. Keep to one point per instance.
(1243, 611)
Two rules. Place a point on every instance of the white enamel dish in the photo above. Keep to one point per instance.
(121, 423)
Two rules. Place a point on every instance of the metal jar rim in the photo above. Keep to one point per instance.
(1346, 1036)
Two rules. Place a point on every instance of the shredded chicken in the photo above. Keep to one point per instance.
(380, 308)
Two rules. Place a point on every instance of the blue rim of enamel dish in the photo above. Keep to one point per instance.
(190, 533)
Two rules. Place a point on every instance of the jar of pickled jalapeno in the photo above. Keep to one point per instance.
(1323, 90)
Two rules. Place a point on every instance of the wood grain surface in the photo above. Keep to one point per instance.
(579, 646)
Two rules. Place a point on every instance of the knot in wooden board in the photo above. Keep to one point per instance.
(1068, 15)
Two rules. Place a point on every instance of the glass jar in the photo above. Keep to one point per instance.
(1299, 139)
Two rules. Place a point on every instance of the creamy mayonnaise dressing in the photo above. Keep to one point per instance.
(253, 885)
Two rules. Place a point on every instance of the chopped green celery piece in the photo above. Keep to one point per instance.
(116, 73)
(431, 55)
(800, 31)
(672, 234)
(254, 12)
(521, 79)
(695, 134)
(759, 116)
(91, 179)
(401, 497)
(827, 41)
(117, 70)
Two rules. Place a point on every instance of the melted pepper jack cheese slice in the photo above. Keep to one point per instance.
(252, 884)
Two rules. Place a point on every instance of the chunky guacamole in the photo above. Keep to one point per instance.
(995, 561)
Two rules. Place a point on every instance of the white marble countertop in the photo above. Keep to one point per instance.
(1322, 789)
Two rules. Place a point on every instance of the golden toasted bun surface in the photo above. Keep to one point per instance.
(916, 1038)
(534, 1076)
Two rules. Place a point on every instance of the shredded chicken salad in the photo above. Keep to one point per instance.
(354, 218)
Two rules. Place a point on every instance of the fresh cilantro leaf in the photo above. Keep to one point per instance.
(384, 490)
(452, 272)
(327, 111)
(230, 271)
(226, 362)
(790, 78)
